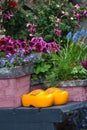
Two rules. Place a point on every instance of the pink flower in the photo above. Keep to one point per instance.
(78, 15)
(66, 13)
(38, 44)
(28, 25)
(58, 32)
(32, 28)
(52, 47)
(8, 15)
(77, 6)
(57, 20)
(85, 13)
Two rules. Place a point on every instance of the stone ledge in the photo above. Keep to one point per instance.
(17, 71)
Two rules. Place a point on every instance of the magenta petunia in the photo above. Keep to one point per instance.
(84, 64)
(58, 32)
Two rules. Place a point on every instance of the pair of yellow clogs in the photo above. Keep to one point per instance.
(44, 98)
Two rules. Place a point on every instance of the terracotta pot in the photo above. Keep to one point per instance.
(14, 82)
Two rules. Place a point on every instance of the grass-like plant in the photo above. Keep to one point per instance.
(67, 64)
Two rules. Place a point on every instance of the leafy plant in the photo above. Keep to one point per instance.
(79, 72)
(67, 64)
(44, 26)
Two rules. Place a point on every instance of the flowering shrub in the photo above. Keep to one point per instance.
(57, 18)
(52, 21)
(13, 19)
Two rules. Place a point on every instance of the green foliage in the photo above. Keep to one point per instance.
(44, 15)
(16, 26)
(46, 19)
(43, 66)
(79, 72)
(67, 64)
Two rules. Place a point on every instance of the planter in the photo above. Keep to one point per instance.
(14, 82)
(77, 89)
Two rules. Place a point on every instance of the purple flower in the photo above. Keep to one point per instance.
(48, 48)
(85, 13)
(52, 47)
(31, 30)
(58, 32)
(8, 15)
(38, 44)
(2, 62)
(10, 45)
(32, 57)
(11, 57)
(21, 52)
(84, 64)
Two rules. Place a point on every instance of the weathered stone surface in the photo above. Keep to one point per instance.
(17, 71)
(77, 89)
(72, 83)
(35, 115)
(81, 2)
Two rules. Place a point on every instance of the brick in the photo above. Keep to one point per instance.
(11, 91)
